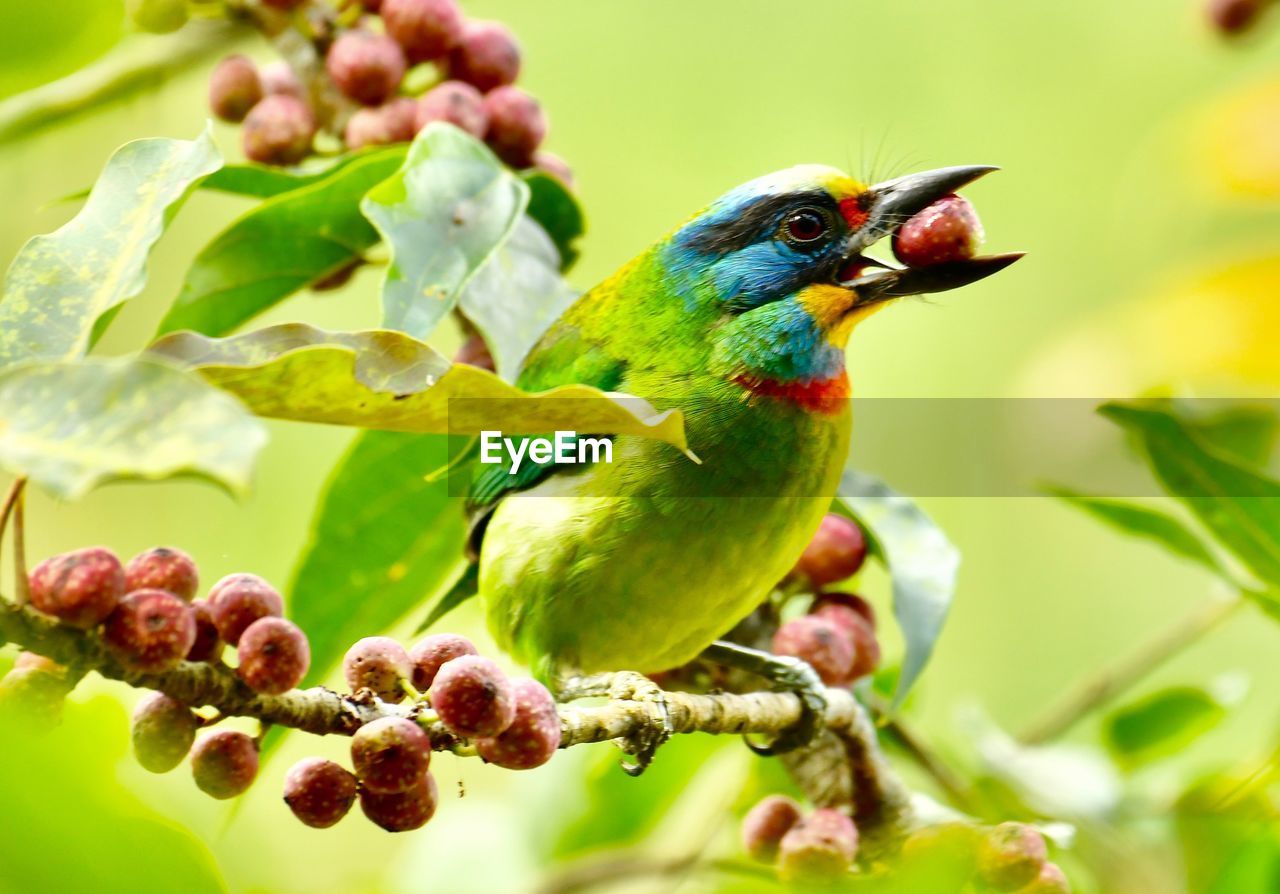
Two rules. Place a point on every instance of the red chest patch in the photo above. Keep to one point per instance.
(823, 396)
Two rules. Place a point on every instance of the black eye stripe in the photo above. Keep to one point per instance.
(757, 221)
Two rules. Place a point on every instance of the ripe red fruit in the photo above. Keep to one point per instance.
(1051, 880)
(836, 552)
(429, 653)
(1010, 856)
(162, 568)
(836, 606)
(208, 643)
(278, 77)
(765, 824)
(391, 122)
(948, 230)
(150, 631)
(278, 130)
(365, 66)
(427, 29)
(819, 848)
(319, 792)
(457, 103)
(401, 811)
(162, 730)
(78, 588)
(475, 352)
(1234, 16)
(517, 125)
(818, 641)
(534, 734)
(274, 655)
(238, 600)
(486, 56)
(234, 88)
(555, 166)
(378, 663)
(390, 754)
(224, 763)
(473, 697)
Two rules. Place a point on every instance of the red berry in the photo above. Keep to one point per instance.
(78, 588)
(240, 599)
(278, 77)
(274, 655)
(819, 848)
(208, 643)
(849, 601)
(866, 648)
(390, 754)
(457, 103)
(278, 130)
(1051, 880)
(429, 653)
(32, 660)
(819, 642)
(475, 352)
(401, 811)
(427, 29)
(162, 568)
(534, 734)
(367, 67)
(150, 631)
(234, 88)
(836, 552)
(224, 763)
(948, 230)
(392, 122)
(1234, 16)
(1010, 856)
(555, 166)
(319, 792)
(163, 729)
(517, 125)
(766, 823)
(378, 663)
(486, 56)
(473, 697)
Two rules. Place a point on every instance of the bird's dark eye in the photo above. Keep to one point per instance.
(806, 226)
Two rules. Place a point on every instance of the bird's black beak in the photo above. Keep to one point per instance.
(890, 205)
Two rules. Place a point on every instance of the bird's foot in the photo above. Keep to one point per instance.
(642, 745)
(787, 674)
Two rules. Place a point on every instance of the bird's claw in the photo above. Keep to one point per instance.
(787, 674)
(644, 745)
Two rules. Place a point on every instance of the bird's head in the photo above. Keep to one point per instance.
(777, 266)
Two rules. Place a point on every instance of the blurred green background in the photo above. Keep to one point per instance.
(1141, 162)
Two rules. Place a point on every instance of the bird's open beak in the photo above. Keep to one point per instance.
(891, 205)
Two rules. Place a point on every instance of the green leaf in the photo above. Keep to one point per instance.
(386, 380)
(1147, 523)
(1247, 433)
(922, 565)
(554, 206)
(1239, 505)
(384, 537)
(61, 283)
(516, 295)
(268, 181)
(443, 214)
(1161, 723)
(73, 426)
(279, 247)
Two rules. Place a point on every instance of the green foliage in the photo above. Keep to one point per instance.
(266, 181)
(443, 214)
(62, 283)
(922, 564)
(281, 246)
(1246, 432)
(1161, 723)
(43, 41)
(556, 209)
(73, 426)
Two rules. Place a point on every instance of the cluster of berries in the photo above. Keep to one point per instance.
(368, 63)
(1008, 857)
(837, 637)
(1232, 17)
(815, 848)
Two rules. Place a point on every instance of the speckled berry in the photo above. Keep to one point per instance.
(820, 643)
(1010, 856)
(234, 88)
(162, 568)
(150, 631)
(533, 735)
(1051, 880)
(224, 763)
(426, 29)
(830, 605)
(278, 130)
(278, 78)
(473, 697)
(208, 642)
(274, 656)
(401, 811)
(429, 653)
(366, 66)
(319, 792)
(819, 848)
(765, 824)
(391, 122)
(486, 56)
(946, 231)
(517, 125)
(78, 588)
(456, 103)
(390, 754)
(378, 663)
(162, 730)
(836, 551)
(240, 599)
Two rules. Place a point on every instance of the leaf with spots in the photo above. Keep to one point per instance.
(72, 426)
(62, 283)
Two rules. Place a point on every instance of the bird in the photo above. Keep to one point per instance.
(740, 319)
